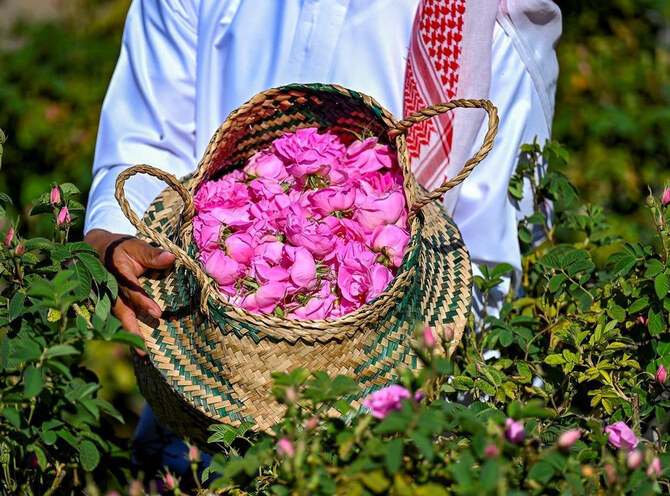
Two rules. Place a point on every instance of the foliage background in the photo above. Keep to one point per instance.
(612, 114)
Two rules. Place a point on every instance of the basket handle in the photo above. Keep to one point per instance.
(188, 212)
(441, 108)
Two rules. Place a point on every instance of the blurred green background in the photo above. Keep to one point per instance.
(612, 113)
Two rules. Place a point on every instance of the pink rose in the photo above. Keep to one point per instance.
(240, 247)
(328, 200)
(316, 308)
(368, 156)
(315, 236)
(223, 269)
(270, 251)
(345, 229)
(266, 164)
(265, 189)
(301, 267)
(225, 193)
(388, 208)
(386, 400)
(621, 436)
(363, 285)
(266, 273)
(63, 217)
(381, 183)
(206, 231)
(237, 217)
(266, 298)
(514, 431)
(391, 241)
(307, 153)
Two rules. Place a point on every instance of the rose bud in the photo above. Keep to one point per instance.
(514, 431)
(666, 196)
(611, 474)
(428, 337)
(568, 438)
(491, 451)
(655, 469)
(661, 374)
(55, 196)
(448, 333)
(311, 423)
(285, 448)
(634, 459)
(63, 217)
(170, 482)
(9, 237)
(291, 394)
(193, 454)
(20, 249)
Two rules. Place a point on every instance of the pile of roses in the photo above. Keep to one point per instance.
(309, 229)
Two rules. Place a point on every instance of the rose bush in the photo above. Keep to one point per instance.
(575, 401)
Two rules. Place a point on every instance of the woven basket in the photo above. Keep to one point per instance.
(211, 361)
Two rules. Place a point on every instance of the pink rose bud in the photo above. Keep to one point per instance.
(655, 469)
(193, 454)
(634, 459)
(428, 337)
(9, 237)
(611, 474)
(34, 463)
(568, 438)
(285, 448)
(621, 436)
(311, 423)
(514, 431)
(448, 333)
(63, 217)
(291, 394)
(20, 249)
(55, 196)
(170, 482)
(661, 374)
(418, 396)
(491, 451)
(642, 320)
(136, 488)
(666, 196)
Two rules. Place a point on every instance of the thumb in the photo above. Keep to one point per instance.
(150, 256)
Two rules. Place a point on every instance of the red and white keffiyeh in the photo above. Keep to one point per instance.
(449, 57)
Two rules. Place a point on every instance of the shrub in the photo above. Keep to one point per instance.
(55, 296)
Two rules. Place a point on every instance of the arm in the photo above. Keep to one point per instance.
(147, 117)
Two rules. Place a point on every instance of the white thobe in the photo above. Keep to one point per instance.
(186, 64)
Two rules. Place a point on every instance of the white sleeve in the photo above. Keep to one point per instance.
(148, 115)
(484, 212)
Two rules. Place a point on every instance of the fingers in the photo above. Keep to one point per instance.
(124, 312)
(149, 256)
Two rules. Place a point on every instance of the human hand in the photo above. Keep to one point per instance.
(127, 258)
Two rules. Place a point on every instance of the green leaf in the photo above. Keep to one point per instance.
(68, 189)
(61, 350)
(129, 338)
(393, 455)
(16, 305)
(83, 290)
(656, 325)
(424, 444)
(463, 383)
(94, 266)
(88, 455)
(661, 285)
(13, 416)
(33, 381)
(556, 281)
(654, 267)
(541, 471)
(556, 359)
